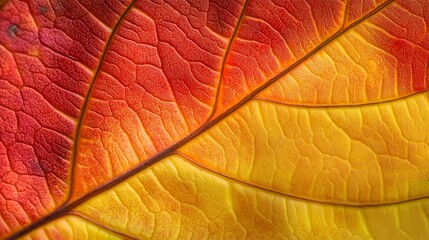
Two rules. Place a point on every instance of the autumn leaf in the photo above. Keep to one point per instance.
(214, 119)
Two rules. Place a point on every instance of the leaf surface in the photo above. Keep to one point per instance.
(220, 119)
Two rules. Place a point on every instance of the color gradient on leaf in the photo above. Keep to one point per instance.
(268, 119)
(375, 61)
(142, 103)
(267, 43)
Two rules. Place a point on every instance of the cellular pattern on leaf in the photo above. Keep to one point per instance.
(214, 119)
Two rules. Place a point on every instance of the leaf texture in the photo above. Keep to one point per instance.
(214, 119)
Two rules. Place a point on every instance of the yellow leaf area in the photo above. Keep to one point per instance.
(72, 227)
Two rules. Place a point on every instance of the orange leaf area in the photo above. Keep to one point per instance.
(255, 119)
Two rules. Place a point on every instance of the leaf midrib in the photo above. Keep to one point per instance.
(68, 206)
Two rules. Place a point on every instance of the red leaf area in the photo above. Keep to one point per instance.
(92, 92)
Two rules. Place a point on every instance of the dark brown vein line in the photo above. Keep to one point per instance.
(100, 225)
(168, 151)
(2, 3)
(350, 105)
(88, 97)
(303, 199)
(227, 51)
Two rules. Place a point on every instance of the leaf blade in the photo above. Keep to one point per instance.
(161, 154)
